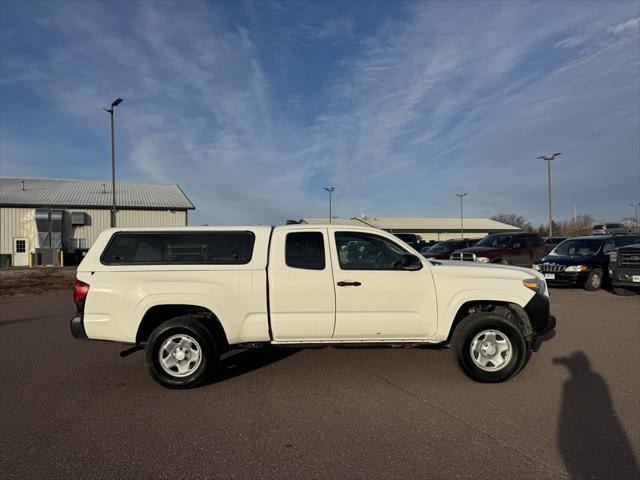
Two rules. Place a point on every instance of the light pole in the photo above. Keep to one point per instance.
(114, 104)
(461, 195)
(636, 206)
(548, 159)
(330, 190)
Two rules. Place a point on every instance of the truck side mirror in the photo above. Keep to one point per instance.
(411, 262)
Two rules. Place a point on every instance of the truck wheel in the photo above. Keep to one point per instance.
(594, 280)
(181, 353)
(488, 347)
(623, 292)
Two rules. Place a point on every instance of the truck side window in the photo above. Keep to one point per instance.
(179, 248)
(305, 250)
(365, 251)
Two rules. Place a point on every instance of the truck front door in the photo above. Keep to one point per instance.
(376, 298)
(301, 288)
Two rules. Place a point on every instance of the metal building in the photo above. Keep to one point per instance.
(41, 217)
(428, 228)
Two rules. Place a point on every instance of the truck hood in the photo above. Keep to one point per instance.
(487, 277)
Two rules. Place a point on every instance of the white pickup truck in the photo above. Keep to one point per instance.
(189, 294)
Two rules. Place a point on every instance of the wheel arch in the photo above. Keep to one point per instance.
(509, 310)
(157, 314)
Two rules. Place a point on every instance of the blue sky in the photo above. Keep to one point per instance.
(253, 107)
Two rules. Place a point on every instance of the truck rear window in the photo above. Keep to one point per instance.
(179, 248)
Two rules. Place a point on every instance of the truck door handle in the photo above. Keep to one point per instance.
(349, 284)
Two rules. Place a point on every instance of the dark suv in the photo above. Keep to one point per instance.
(582, 261)
(442, 250)
(508, 248)
(624, 269)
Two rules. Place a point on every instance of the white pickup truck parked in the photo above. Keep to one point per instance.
(189, 294)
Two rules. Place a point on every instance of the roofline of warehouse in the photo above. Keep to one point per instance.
(93, 207)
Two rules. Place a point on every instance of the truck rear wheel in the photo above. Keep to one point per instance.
(488, 347)
(181, 353)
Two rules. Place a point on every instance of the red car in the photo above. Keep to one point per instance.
(442, 250)
(521, 249)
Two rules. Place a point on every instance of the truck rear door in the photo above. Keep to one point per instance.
(301, 288)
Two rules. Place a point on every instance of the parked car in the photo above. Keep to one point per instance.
(581, 261)
(624, 269)
(553, 241)
(507, 248)
(610, 229)
(189, 294)
(443, 250)
(411, 239)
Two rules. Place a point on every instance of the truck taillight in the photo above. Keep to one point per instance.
(80, 290)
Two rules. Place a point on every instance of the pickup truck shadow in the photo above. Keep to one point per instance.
(591, 438)
(240, 362)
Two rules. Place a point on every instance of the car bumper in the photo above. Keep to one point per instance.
(538, 310)
(623, 277)
(567, 278)
(77, 327)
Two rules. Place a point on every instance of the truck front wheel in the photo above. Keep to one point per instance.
(488, 347)
(181, 353)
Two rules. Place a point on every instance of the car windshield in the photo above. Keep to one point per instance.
(578, 247)
(442, 247)
(496, 240)
(598, 227)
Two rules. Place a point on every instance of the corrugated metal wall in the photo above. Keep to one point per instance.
(17, 222)
(20, 222)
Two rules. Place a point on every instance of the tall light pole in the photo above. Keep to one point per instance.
(548, 159)
(461, 195)
(330, 190)
(114, 104)
(636, 206)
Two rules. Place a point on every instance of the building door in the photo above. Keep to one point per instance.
(20, 252)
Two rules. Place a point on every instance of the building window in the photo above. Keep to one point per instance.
(21, 246)
(78, 243)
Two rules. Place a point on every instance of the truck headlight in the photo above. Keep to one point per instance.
(536, 267)
(613, 256)
(482, 259)
(535, 284)
(577, 268)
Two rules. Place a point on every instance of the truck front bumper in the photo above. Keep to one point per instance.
(77, 327)
(567, 279)
(538, 311)
(624, 276)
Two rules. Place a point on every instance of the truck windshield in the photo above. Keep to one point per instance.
(578, 247)
(496, 240)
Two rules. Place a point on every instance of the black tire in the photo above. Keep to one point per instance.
(477, 323)
(594, 280)
(205, 344)
(623, 292)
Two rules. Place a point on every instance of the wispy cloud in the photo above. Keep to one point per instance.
(253, 107)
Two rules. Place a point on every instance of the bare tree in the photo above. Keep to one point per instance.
(515, 220)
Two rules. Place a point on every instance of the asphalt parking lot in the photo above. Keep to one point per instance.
(76, 409)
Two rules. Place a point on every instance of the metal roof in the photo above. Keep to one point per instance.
(421, 224)
(48, 192)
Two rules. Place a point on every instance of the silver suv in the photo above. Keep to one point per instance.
(610, 229)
